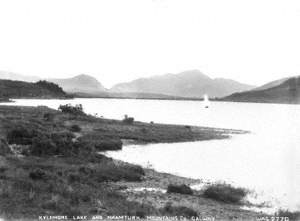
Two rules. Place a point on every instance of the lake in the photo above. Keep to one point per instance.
(267, 160)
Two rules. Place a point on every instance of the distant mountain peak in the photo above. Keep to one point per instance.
(81, 83)
(84, 76)
(190, 83)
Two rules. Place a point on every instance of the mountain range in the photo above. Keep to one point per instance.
(185, 85)
(192, 83)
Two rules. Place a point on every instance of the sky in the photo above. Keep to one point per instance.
(253, 41)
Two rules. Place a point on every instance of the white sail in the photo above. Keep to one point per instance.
(206, 101)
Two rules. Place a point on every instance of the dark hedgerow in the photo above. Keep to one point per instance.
(182, 189)
(225, 193)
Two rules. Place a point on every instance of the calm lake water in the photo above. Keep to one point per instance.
(267, 160)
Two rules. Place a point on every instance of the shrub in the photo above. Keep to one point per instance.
(48, 116)
(73, 177)
(225, 193)
(58, 144)
(75, 128)
(37, 174)
(144, 130)
(171, 210)
(102, 143)
(128, 120)
(182, 189)
(85, 170)
(43, 146)
(68, 108)
(109, 144)
(112, 172)
(21, 135)
(286, 213)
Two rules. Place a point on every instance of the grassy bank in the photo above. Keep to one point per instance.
(50, 165)
(103, 134)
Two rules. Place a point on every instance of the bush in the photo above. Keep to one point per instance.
(48, 116)
(75, 128)
(128, 120)
(68, 108)
(291, 215)
(21, 136)
(170, 210)
(59, 144)
(102, 142)
(42, 146)
(225, 193)
(73, 177)
(109, 144)
(112, 172)
(37, 174)
(182, 189)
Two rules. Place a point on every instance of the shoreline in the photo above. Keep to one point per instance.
(153, 190)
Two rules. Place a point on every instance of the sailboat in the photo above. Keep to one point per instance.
(205, 101)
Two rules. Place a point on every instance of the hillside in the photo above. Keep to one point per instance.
(81, 83)
(191, 83)
(287, 92)
(20, 89)
(272, 84)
